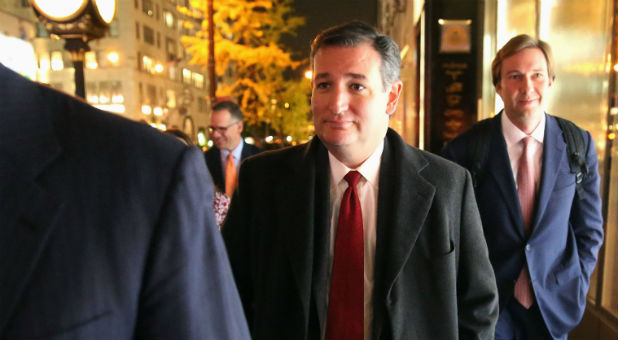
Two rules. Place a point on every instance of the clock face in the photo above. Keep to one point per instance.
(59, 10)
(106, 9)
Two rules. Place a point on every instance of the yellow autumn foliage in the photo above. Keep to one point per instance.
(250, 62)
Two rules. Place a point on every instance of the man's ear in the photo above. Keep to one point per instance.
(240, 127)
(393, 96)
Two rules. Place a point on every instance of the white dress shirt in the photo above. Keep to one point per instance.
(513, 137)
(367, 189)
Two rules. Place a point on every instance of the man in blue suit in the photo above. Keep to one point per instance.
(225, 130)
(543, 238)
(106, 227)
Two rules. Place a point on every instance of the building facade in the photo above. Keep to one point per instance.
(139, 70)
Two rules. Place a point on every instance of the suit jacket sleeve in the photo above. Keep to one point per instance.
(586, 216)
(476, 287)
(188, 290)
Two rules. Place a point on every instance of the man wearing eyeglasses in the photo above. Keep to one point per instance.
(223, 159)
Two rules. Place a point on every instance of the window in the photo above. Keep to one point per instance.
(149, 36)
(186, 76)
(57, 62)
(41, 32)
(168, 19)
(90, 60)
(170, 49)
(148, 64)
(44, 62)
(198, 80)
(158, 39)
(170, 99)
(151, 91)
(201, 104)
(137, 30)
(113, 28)
(147, 7)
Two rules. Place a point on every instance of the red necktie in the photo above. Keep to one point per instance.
(526, 193)
(230, 175)
(346, 301)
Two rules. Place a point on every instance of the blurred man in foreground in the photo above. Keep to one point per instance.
(106, 227)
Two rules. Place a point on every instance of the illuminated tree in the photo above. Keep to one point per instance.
(250, 64)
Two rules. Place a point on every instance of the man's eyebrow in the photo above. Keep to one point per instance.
(350, 75)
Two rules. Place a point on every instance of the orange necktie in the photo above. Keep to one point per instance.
(230, 175)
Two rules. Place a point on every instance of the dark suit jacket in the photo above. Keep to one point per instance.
(213, 161)
(566, 235)
(433, 279)
(106, 227)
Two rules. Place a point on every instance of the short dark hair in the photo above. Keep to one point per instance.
(231, 107)
(354, 33)
(517, 44)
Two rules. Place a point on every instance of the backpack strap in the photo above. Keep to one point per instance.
(576, 152)
(479, 146)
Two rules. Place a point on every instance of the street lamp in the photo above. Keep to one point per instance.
(76, 21)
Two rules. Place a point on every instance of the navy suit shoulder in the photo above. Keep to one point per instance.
(109, 231)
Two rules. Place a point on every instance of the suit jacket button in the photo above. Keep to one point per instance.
(528, 247)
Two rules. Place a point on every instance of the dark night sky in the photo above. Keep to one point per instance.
(320, 14)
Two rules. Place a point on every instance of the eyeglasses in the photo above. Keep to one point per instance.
(220, 129)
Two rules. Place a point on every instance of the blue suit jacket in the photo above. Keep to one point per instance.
(567, 233)
(106, 227)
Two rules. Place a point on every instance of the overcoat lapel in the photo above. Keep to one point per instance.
(404, 200)
(502, 174)
(553, 151)
(27, 213)
(305, 215)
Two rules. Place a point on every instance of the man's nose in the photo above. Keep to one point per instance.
(527, 83)
(339, 100)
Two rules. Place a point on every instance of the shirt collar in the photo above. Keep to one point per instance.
(370, 169)
(237, 151)
(513, 135)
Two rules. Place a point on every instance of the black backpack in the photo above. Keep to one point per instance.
(573, 136)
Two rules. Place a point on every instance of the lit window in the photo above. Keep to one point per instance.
(90, 60)
(171, 98)
(168, 17)
(186, 76)
(56, 61)
(198, 80)
(148, 64)
(113, 57)
(44, 64)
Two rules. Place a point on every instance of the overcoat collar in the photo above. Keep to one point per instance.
(28, 145)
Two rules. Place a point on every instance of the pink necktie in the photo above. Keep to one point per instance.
(230, 175)
(346, 301)
(526, 193)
